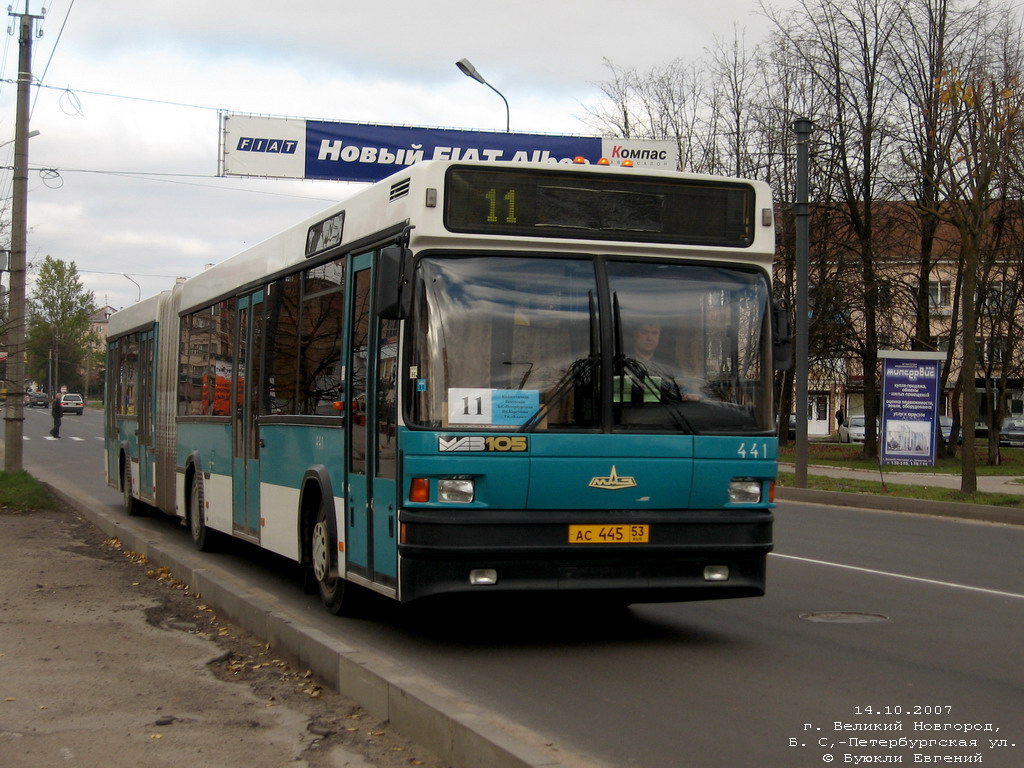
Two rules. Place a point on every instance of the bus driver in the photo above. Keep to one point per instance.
(646, 339)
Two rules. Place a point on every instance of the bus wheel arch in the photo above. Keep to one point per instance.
(315, 488)
(132, 506)
(318, 523)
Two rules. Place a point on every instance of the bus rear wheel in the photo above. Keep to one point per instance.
(132, 506)
(335, 593)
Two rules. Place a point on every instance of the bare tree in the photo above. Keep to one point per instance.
(615, 115)
(784, 94)
(846, 48)
(665, 103)
(731, 109)
(930, 34)
(983, 103)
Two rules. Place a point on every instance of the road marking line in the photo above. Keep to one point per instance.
(902, 576)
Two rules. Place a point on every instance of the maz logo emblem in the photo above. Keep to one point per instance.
(613, 482)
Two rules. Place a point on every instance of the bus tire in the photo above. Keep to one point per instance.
(335, 592)
(204, 539)
(132, 506)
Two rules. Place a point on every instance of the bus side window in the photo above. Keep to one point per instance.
(280, 368)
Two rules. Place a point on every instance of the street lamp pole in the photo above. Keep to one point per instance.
(802, 128)
(470, 71)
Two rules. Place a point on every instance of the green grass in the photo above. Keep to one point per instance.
(849, 456)
(23, 493)
(844, 456)
(894, 490)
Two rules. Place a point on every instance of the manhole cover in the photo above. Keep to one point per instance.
(844, 617)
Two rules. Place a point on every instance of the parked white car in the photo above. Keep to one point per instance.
(852, 430)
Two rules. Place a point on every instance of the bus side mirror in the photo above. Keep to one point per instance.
(391, 294)
(782, 339)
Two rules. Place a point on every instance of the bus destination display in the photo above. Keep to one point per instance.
(558, 204)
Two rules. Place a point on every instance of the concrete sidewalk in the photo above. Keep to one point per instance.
(423, 711)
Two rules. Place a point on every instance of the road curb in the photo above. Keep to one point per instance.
(461, 734)
(979, 512)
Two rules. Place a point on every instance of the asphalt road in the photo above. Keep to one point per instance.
(876, 628)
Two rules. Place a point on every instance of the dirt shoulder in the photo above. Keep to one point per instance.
(107, 661)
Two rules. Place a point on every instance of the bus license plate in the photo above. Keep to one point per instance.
(609, 534)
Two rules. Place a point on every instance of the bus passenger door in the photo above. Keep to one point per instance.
(384, 439)
(145, 404)
(111, 408)
(244, 412)
(371, 516)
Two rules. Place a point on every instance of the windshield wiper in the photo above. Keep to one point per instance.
(579, 374)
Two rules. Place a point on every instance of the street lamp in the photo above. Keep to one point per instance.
(470, 71)
(136, 285)
(29, 135)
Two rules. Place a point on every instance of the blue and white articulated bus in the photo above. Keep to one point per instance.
(473, 378)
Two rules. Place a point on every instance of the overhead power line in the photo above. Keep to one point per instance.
(175, 178)
(53, 50)
(148, 100)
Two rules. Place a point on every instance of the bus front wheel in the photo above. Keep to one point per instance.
(335, 592)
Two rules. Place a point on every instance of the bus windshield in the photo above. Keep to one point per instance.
(519, 343)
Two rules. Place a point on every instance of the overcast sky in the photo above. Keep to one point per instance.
(134, 88)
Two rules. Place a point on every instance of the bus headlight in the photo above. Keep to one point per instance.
(457, 490)
(744, 490)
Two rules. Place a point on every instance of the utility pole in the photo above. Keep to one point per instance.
(14, 416)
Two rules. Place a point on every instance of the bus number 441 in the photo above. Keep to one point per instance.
(755, 451)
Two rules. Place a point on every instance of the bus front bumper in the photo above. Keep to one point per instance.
(688, 554)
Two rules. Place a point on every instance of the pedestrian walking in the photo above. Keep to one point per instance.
(58, 413)
(840, 418)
